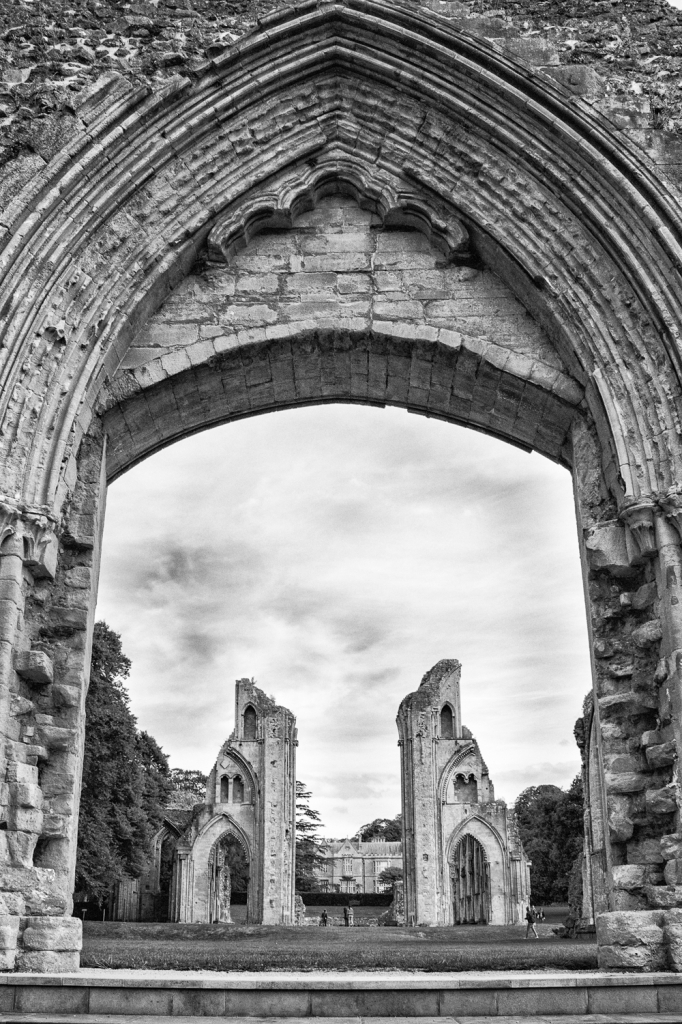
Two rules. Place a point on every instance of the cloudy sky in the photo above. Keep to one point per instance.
(336, 553)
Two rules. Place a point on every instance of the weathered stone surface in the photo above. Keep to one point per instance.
(661, 801)
(645, 851)
(630, 876)
(673, 871)
(663, 897)
(47, 961)
(671, 846)
(35, 667)
(647, 634)
(9, 932)
(661, 755)
(53, 933)
(630, 929)
(633, 958)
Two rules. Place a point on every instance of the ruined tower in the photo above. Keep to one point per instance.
(462, 859)
(250, 806)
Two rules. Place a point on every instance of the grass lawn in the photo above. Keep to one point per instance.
(261, 948)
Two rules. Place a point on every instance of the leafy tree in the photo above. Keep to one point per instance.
(308, 855)
(386, 830)
(189, 787)
(125, 777)
(550, 822)
(391, 875)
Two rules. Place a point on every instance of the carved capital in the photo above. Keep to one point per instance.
(38, 532)
(638, 516)
(671, 504)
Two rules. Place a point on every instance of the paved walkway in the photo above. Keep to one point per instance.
(90, 1018)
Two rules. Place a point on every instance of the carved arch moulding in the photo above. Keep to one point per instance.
(426, 128)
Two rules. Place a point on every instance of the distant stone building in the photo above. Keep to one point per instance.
(463, 859)
(241, 837)
(354, 867)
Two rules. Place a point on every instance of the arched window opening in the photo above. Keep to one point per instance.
(224, 789)
(250, 723)
(447, 723)
(237, 790)
(470, 883)
(466, 789)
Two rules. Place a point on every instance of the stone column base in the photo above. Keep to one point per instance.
(40, 944)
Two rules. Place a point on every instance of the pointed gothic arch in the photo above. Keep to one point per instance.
(429, 128)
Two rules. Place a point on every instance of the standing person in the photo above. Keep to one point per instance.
(351, 917)
(323, 918)
(530, 922)
(345, 916)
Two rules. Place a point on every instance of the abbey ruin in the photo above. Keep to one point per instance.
(244, 829)
(462, 856)
(427, 206)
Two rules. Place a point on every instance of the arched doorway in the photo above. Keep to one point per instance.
(228, 873)
(495, 165)
(470, 882)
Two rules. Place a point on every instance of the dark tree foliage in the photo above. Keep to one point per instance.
(385, 830)
(550, 823)
(125, 778)
(391, 875)
(308, 842)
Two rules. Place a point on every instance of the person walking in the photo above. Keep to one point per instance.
(323, 918)
(530, 922)
(345, 916)
(351, 917)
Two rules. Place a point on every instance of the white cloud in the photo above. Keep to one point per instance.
(336, 553)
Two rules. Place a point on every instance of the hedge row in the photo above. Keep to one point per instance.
(343, 899)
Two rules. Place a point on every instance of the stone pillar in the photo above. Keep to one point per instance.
(48, 589)
(632, 563)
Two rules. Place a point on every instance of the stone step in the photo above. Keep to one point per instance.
(98, 1018)
(119, 994)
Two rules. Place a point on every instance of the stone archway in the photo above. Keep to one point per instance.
(429, 131)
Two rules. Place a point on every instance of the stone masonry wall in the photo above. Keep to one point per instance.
(623, 55)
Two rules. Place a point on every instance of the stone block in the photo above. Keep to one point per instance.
(651, 738)
(637, 928)
(20, 847)
(9, 931)
(624, 899)
(671, 846)
(647, 634)
(530, 1002)
(35, 667)
(47, 962)
(580, 79)
(26, 794)
(673, 871)
(22, 819)
(607, 550)
(50, 999)
(625, 782)
(663, 897)
(7, 959)
(632, 958)
(59, 934)
(629, 876)
(660, 755)
(645, 851)
(661, 801)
